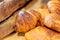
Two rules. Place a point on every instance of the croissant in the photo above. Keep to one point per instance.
(42, 33)
(26, 20)
(51, 20)
(54, 6)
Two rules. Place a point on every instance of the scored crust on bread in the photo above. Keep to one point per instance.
(7, 7)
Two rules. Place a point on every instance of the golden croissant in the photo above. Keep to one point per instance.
(53, 6)
(26, 20)
(51, 20)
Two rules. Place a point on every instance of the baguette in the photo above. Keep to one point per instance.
(7, 7)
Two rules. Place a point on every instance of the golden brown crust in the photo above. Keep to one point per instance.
(7, 7)
(26, 20)
(42, 33)
(35, 13)
(53, 21)
(30, 18)
(7, 27)
(43, 13)
(54, 6)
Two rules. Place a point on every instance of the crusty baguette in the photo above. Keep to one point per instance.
(7, 27)
(7, 7)
(42, 33)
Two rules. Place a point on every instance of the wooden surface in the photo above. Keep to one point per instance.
(14, 36)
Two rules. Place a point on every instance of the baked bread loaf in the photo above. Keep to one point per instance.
(7, 27)
(7, 7)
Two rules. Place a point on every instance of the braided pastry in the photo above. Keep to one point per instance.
(54, 6)
(51, 20)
